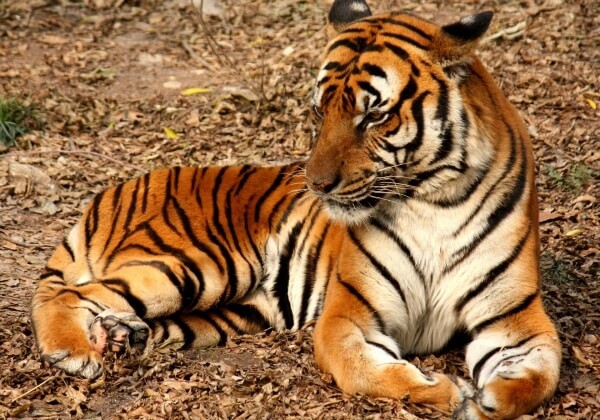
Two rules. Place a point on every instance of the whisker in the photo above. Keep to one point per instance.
(396, 166)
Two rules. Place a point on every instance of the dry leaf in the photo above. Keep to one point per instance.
(195, 91)
(170, 133)
(53, 40)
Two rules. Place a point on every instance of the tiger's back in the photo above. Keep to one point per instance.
(419, 222)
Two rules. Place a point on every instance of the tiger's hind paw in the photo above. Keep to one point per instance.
(119, 332)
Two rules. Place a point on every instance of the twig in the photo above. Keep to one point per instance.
(188, 49)
(229, 64)
(34, 388)
(4, 236)
(508, 33)
(85, 153)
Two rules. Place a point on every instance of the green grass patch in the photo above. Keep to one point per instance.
(16, 118)
(555, 271)
(574, 179)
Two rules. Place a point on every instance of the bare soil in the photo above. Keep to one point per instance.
(108, 77)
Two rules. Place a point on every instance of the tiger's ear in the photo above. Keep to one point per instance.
(343, 13)
(456, 41)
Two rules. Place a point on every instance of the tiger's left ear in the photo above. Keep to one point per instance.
(343, 13)
(455, 42)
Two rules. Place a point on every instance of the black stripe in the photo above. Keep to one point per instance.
(185, 286)
(328, 93)
(154, 325)
(496, 216)
(310, 274)
(322, 294)
(138, 306)
(286, 214)
(400, 52)
(230, 324)
(479, 365)
(146, 179)
(509, 165)
(167, 200)
(245, 173)
(231, 289)
(99, 307)
(374, 70)
(384, 348)
(250, 238)
(385, 229)
(140, 247)
(68, 248)
(274, 185)
(181, 256)
(191, 235)
(177, 170)
(407, 93)
(405, 38)
(493, 274)
(91, 221)
(335, 65)
(49, 272)
(352, 31)
(249, 313)
(356, 44)
(215, 204)
(373, 48)
(364, 302)
(117, 195)
(413, 28)
(217, 327)
(235, 239)
(417, 111)
(194, 183)
(189, 336)
(348, 99)
(381, 269)
(117, 205)
(312, 218)
(132, 205)
(283, 276)
(370, 89)
(519, 308)
(441, 114)
(323, 80)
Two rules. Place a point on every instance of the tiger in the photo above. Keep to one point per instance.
(413, 220)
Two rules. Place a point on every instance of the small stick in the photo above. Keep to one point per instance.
(508, 33)
(33, 389)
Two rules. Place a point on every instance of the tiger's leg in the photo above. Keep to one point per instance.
(201, 329)
(350, 345)
(63, 310)
(515, 365)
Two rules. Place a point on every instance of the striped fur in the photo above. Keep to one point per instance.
(420, 223)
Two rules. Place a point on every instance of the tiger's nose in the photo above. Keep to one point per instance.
(323, 185)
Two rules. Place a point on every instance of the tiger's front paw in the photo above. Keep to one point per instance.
(119, 332)
(86, 363)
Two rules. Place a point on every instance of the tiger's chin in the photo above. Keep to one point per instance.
(352, 212)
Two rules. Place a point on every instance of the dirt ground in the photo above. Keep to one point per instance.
(110, 78)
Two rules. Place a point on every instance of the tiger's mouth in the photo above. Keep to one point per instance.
(351, 211)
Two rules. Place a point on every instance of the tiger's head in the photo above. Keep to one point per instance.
(390, 121)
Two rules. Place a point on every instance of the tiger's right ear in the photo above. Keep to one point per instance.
(455, 42)
(343, 13)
